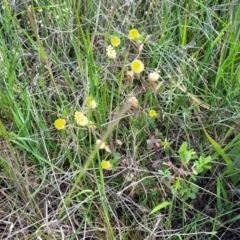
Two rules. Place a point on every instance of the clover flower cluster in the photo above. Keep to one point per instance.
(80, 118)
(136, 68)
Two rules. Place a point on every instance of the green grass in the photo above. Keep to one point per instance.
(53, 56)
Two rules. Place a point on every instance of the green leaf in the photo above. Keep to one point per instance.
(192, 195)
(183, 147)
(159, 207)
(117, 156)
(207, 159)
(219, 150)
(187, 156)
(207, 167)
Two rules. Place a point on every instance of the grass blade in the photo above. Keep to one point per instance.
(160, 206)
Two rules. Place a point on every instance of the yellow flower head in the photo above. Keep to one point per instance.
(153, 76)
(111, 52)
(137, 66)
(106, 165)
(133, 101)
(152, 113)
(80, 119)
(60, 123)
(91, 102)
(133, 34)
(115, 41)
